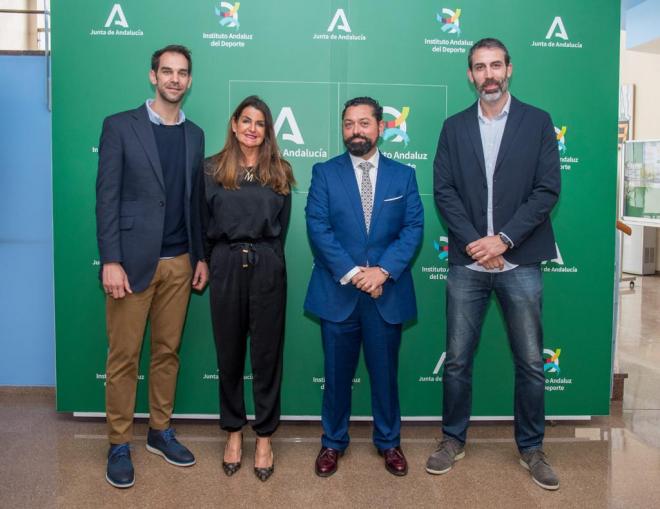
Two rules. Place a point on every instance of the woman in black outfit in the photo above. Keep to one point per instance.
(245, 208)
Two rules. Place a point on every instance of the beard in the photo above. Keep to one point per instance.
(358, 148)
(172, 96)
(502, 87)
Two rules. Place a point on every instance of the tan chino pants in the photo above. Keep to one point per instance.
(164, 304)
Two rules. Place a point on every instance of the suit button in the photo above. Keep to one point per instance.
(161, 203)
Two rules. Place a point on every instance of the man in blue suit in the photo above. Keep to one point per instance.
(150, 245)
(365, 222)
(496, 180)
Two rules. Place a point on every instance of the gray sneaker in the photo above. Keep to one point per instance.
(442, 460)
(540, 469)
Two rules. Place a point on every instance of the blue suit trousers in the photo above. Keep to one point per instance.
(341, 345)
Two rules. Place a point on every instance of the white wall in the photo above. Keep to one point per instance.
(18, 31)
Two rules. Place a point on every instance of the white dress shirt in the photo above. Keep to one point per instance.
(373, 174)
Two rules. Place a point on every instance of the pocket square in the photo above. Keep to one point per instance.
(394, 199)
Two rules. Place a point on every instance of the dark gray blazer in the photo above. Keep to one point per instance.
(526, 183)
(130, 195)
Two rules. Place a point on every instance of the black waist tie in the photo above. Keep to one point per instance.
(250, 249)
(249, 254)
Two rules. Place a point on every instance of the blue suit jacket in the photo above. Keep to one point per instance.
(339, 239)
(130, 195)
(526, 183)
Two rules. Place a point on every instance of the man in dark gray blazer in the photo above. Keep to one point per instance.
(151, 254)
(496, 180)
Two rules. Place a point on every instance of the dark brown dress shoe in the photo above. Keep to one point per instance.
(395, 461)
(326, 461)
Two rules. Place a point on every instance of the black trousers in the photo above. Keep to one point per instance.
(248, 297)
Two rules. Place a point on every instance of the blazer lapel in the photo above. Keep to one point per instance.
(145, 135)
(472, 121)
(383, 179)
(190, 154)
(513, 121)
(347, 174)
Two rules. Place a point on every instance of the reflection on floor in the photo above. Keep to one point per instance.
(51, 460)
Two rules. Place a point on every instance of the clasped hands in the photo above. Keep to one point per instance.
(487, 252)
(370, 280)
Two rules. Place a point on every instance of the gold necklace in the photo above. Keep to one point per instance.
(249, 173)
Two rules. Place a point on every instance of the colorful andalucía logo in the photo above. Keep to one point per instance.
(561, 142)
(551, 360)
(450, 22)
(228, 14)
(442, 247)
(396, 130)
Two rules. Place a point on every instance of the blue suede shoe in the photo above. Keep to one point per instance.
(120, 471)
(165, 444)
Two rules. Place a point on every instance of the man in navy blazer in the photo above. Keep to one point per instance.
(150, 246)
(496, 180)
(364, 222)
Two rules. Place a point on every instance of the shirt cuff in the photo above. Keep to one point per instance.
(349, 275)
(508, 239)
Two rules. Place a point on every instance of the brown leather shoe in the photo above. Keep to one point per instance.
(326, 461)
(395, 461)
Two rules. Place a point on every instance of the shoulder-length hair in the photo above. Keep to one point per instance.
(271, 170)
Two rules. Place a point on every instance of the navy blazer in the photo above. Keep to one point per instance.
(526, 183)
(339, 239)
(130, 195)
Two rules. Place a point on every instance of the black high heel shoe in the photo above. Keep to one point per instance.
(231, 468)
(263, 473)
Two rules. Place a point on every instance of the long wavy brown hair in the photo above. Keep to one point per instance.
(271, 170)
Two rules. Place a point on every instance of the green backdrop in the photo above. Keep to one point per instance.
(305, 57)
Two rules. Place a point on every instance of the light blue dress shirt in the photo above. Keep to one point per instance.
(156, 118)
(491, 130)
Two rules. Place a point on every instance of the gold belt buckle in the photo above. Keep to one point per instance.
(245, 258)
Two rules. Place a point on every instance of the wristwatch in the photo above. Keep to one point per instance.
(506, 240)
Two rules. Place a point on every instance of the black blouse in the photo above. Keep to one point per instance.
(248, 214)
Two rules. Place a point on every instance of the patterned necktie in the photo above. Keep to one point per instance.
(366, 192)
